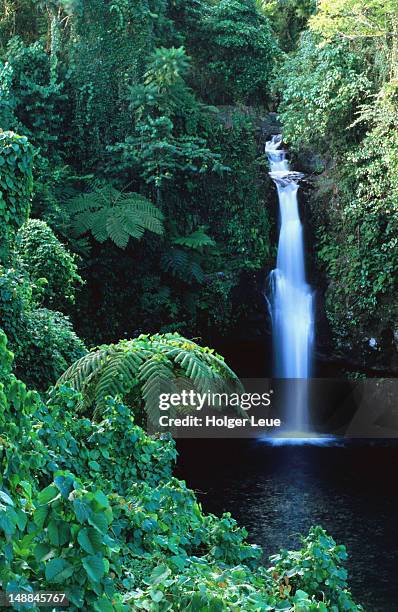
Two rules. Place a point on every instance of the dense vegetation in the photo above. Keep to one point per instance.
(92, 508)
(134, 204)
(339, 102)
(145, 155)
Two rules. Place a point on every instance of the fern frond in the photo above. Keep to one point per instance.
(197, 240)
(116, 377)
(116, 231)
(157, 377)
(183, 265)
(157, 364)
(79, 204)
(111, 214)
(78, 373)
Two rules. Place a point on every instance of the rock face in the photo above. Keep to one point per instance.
(269, 126)
(347, 339)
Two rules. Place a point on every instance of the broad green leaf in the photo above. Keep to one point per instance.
(99, 521)
(8, 520)
(95, 567)
(6, 498)
(40, 515)
(76, 596)
(156, 596)
(82, 510)
(159, 573)
(59, 533)
(58, 570)
(103, 605)
(42, 552)
(90, 540)
(64, 484)
(48, 494)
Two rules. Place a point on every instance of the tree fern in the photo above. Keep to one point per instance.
(196, 240)
(182, 264)
(157, 376)
(146, 367)
(111, 214)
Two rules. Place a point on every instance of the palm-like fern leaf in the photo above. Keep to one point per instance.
(112, 214)
(116, 377)
(197, 240)
(152, 364)
(182, 264)
(157, 377)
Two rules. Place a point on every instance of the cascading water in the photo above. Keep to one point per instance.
(291, 298)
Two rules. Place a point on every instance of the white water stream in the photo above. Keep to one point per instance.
(291, 298)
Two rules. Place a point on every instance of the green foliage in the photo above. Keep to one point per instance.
(114, 452)
(31, 100)
(357, 246)
(124, 533)
(160, 156)
(147, 365)
(321, 87)
(197, 240)
(43, 341)
(165, 145)
(16, 158)
(107, 50)
(288, 18)
(165, 88)
(242, 198)
(355, 18)
(111, 214)
(187, 256)
(21, 452)
(343, 110)
(183, 264)
(49, 346)
(316, 567)
(15, 296)
(21, 19)
(115, 92)
(240, 53)
(234, 205)
(309, 579)
(49, 264)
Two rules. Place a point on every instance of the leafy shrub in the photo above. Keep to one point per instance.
(288, 18)
(46, 258)
(16, 159)
(49, 346)
(308, 579)
(315, 568)
(322, 85)
(31, 98)
(21, 452)
(15, 297)
(114, 453)
(43, 340)
(240, 53)
(150, 546)
(357, 226)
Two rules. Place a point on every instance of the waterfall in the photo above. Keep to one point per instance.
(291, 298)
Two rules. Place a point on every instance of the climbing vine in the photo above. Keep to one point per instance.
(16, 183)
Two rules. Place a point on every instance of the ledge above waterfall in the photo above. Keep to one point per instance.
(284, 178)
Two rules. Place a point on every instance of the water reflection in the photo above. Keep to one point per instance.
(279, 492)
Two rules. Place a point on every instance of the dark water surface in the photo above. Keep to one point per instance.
(279, 492)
